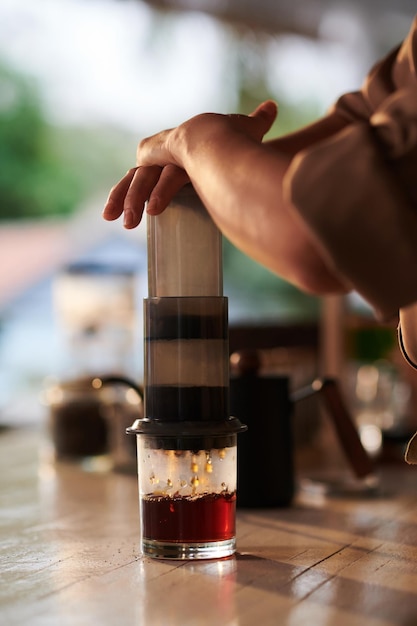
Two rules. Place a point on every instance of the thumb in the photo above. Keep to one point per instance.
(266, 113)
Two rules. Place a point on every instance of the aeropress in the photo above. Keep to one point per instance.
(186, 440)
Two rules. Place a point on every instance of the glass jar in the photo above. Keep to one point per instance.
(87, 423)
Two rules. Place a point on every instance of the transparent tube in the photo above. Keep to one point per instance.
(184, 250)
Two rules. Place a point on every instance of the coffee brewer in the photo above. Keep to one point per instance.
(186, 441)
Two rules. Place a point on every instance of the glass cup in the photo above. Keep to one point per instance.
(187, 494)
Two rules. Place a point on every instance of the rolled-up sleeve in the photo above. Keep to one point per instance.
(357, 191)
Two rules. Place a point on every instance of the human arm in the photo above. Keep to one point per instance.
(330, 207)
(239, 179)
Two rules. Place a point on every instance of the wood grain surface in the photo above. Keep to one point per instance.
(69, 550)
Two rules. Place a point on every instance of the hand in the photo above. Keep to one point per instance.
(161, 160)
(131, 193)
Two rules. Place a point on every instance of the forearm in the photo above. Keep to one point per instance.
(240, 182)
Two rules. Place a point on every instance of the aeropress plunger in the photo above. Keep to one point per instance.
(186, 441)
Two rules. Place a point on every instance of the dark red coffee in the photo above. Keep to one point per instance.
(209, 517)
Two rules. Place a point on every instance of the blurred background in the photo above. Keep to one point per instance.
(81, 81)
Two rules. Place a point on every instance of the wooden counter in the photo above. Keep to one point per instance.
(70, 555)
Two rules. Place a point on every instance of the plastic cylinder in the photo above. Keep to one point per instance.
(184, 250)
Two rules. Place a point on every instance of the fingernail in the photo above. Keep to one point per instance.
(128, 218)
(108, 207)
(152, 206)
(269, 106)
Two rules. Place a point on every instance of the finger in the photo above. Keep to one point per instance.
(266, 113)
(115, 201)
(171, 180)
(140, 188)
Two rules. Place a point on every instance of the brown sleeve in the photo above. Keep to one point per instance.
(357, 191)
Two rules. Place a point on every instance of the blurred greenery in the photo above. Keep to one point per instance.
(33, 182)
(48, 170)
(260, 294)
